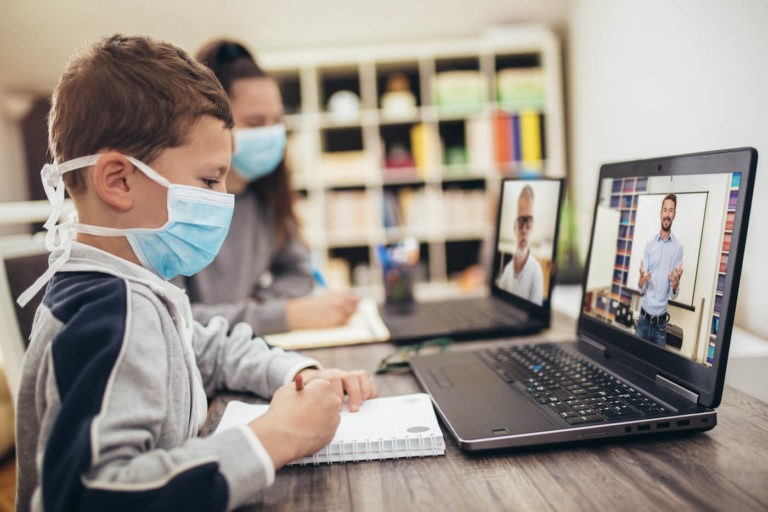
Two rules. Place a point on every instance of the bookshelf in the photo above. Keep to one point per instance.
(730, 215)
(414, 139)
(613, 306)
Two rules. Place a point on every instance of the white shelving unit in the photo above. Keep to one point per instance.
(342, 202)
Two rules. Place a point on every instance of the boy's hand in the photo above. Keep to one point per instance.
(358, 384)
(317, 311)
(299, 423)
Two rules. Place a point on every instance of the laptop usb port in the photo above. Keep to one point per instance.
(683, 423)
(643, 428)
(663, 424)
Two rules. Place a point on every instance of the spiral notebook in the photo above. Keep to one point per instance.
(383, 428)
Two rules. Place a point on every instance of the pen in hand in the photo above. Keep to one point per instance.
(319, 278)
(299, 382)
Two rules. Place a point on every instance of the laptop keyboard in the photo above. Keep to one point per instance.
(574, 388)
(466, 315)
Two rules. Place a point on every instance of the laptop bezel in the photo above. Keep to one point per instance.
(707, 382)
(542, 312)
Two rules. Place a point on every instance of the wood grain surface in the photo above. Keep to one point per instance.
(723, 469)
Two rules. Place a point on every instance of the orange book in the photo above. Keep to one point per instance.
(726, 242)
(502, 136)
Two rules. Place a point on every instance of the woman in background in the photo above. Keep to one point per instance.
(262, 274)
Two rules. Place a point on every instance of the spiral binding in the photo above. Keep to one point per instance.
(377, 449)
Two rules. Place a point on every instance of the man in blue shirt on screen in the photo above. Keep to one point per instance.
(660, 279)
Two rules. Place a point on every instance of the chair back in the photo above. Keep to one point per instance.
(22, 260)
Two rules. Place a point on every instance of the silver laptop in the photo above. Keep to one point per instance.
(655, 323)
(520, 281)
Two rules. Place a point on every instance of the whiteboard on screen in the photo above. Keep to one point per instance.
(603, 255)
(687, 227)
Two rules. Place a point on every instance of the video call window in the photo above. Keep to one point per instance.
(659, 259)
(527, 228)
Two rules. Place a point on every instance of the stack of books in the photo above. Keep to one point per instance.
(519, 126)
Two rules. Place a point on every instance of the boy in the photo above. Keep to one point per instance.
(115, 378)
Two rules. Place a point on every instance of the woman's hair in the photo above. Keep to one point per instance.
(231, 61)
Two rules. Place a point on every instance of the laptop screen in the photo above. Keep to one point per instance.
(525, 243)
(665, 261)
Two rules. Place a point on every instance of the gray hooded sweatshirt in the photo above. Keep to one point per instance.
(113, 393)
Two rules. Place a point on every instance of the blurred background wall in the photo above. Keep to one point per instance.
(640, 79)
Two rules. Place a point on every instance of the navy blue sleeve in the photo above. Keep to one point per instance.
(93, 308)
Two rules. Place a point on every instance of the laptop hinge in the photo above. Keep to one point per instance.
(677, 389)
(593, 344)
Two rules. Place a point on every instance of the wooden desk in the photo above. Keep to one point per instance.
(723, 469)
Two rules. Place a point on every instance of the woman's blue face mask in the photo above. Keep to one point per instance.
(258, 151)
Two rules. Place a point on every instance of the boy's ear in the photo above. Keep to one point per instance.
(111, 179)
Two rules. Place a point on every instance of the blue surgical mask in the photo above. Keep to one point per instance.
(198, 222)
(258, 151)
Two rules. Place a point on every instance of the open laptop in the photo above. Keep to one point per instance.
(519, 302)
(620, 377)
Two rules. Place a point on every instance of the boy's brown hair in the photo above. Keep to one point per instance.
(132, 94)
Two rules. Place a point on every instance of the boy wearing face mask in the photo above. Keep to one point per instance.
(114, 382)
(262, 274)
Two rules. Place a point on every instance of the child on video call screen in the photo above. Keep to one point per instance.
(528, 223)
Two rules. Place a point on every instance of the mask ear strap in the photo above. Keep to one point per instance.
(54, 267)
(59, 236)
(53, 184)
(150, 172)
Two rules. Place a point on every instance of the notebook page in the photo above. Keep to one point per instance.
(383, 428)
(365, 326)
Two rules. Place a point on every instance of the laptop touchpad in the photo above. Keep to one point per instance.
(467, 374)
(479, 404)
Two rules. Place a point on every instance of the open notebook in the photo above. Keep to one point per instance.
(365, 326)
(383, 428)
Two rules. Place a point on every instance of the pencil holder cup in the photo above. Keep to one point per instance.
(398, 284)
(399, 263)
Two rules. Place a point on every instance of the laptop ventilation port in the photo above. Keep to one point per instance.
(643, 428)
(683, 423)
(663, 424)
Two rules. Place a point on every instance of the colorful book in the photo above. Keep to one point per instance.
(730, 217)
(479, 135)
(425, 146)
(502, 136)
(530, 138)
(521, 88)
(727, 242)
(517, 151)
